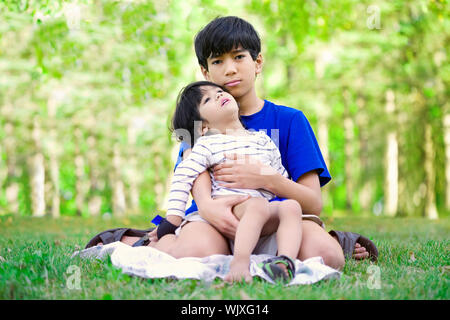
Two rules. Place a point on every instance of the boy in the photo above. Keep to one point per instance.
(228, 52)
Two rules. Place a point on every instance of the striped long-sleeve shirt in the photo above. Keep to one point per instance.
(210, 151)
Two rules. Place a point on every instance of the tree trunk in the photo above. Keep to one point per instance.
(366, 191)
(348, 150)
(159, 188)
(322, 133)
(134, 189)
(79, 173)
(37, 174)
(95, 201)
(391, 162)
(56, 97)
(12, 188)
(447, 160)
(54, 176)
(430, 201)
(119, 205)
(132, 176)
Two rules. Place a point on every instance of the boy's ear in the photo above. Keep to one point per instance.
(259, 61)
(205, 73)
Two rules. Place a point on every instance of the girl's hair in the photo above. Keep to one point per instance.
(224, 34)
(186, 111)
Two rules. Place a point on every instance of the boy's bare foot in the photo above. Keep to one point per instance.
(359, 253)
(239, 270)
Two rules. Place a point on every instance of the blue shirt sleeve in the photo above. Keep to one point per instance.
(303, 152)
(184, 146)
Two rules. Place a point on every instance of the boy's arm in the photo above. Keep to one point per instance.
(251, 174)
(304, 163)
(306, 190)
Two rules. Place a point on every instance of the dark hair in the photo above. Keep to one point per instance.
(186, 111)
(224, 34)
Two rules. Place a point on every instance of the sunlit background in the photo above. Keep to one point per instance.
(87, 90)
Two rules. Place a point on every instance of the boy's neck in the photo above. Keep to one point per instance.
(249, 103)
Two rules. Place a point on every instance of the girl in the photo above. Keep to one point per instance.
(207, 109)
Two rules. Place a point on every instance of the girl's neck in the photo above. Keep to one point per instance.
(249, 103)
(234, 128)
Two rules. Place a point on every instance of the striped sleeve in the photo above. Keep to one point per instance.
(276, 160)
(184, 176)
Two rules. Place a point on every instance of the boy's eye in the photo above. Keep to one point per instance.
(241, 56)
(216, 62)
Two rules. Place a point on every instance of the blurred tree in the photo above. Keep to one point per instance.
(87, 89)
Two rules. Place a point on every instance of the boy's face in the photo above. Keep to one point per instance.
(235, 70)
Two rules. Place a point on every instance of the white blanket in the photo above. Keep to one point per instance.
(147, 262)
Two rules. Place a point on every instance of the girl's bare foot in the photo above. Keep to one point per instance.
(284, 268)
(239, 270)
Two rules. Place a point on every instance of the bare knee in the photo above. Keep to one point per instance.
(199, 250)
(317, 242)
(333, 257)
(258, 207)
(290, 208)
(200, 240)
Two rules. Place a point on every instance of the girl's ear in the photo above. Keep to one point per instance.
(204, 130)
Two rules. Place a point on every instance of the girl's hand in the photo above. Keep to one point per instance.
(153, 236)
(243, 172)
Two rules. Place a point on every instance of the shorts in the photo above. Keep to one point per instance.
(265, 245)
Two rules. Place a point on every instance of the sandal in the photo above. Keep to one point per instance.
(347, 240)
(275, 272)
(113, 235)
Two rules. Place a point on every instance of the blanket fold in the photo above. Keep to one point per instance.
(148, 262)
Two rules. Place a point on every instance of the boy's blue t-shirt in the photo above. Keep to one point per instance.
(292, 133)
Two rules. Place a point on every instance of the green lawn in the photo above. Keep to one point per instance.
(35, 263)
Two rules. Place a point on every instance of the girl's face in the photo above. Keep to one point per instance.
(217, 107)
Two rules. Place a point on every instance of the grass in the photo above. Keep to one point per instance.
(35, 263)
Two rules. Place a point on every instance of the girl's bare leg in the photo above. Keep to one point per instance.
(289, 228)
(253, 215)
(315, 241)
(289, 232)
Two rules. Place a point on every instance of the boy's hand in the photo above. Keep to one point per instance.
(218, 212)
(243, 172)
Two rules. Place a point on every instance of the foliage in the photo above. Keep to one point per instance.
(100, 78)
(35, 263)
